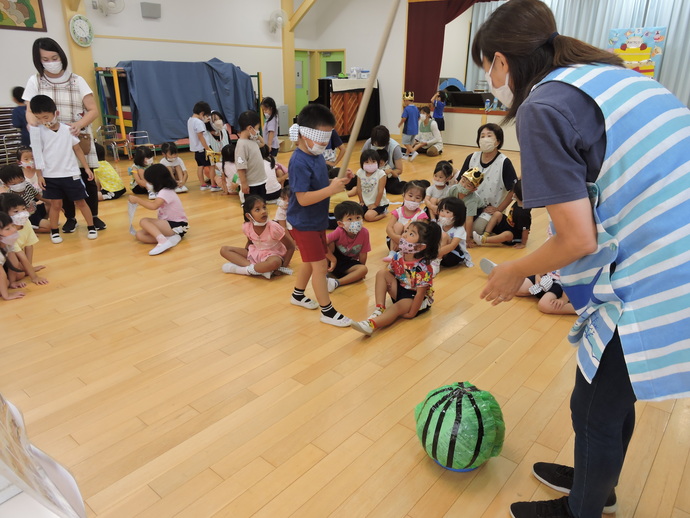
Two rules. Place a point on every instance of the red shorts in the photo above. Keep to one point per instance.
(311, 243)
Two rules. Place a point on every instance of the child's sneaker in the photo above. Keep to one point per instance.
(332, 284)
(337, 320)
(99, 223)
(216, 189)
(167, 245)
(152, 196)
(55, 238)
(365, 327)
(304, 303)
(178, 190)
(480, 240)
(376, 313)
(70, 226)
(204, 187)
(413, 156)
(487, 266)
(183, 188)
(92, 234)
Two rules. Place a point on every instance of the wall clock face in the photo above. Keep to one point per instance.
(81, 30)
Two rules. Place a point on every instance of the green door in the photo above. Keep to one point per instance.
(301, 79)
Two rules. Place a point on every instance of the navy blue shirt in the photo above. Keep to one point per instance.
(335, 141)
(307, 173)
(411, 116)
(562, 144)
(19, 121)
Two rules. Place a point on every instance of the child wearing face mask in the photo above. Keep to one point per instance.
(371, 186)
(13, 178)
(175, 165)
(349, 243)
(169, 228)
(465, 190)
(271, 124)
(248, 160)
(510, 229)
(496, 191)
(451, 218)
(408, 278)
(276, 176)
(269, 248)
(217, 137)
(142, 158)
(196, 127)
(428, 140)
(308, 208)
(22, 249)
(440, 188)
(25, 159)
(7, 239)
(413, 196)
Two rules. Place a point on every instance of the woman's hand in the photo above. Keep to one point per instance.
(503, 284)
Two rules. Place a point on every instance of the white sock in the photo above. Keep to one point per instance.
(161, 239)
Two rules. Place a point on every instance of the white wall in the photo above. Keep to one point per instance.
(455, 47)
(356, 25)
(17, 64)
(203, 32)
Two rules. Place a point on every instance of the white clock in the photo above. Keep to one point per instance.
(81, 30)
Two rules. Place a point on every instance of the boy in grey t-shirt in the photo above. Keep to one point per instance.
(248, 160)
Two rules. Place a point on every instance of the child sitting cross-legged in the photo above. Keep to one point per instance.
(13, 178)
(451, 218)
(408, 278)
(349, 243)
(509, 229)
(269, 248)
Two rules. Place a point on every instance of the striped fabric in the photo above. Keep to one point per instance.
(70, 107)
(641, 206)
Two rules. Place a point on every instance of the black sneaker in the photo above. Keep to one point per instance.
(99, 223)
(560, 478)
(70, 226)
(543, 509)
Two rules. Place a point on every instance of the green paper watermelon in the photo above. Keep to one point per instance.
(460, 426)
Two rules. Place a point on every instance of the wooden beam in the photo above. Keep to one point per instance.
(288, 61)
(297, 16)
(73, 4)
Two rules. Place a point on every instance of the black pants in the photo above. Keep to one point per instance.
(91, 200)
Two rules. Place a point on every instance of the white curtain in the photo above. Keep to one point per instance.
(590, 21)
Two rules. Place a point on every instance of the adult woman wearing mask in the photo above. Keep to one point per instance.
(496, 191)
(76, 108)
(604, 149)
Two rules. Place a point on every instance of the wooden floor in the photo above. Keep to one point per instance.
(171, 389)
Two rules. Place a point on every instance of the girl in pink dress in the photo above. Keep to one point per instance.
(269, 249)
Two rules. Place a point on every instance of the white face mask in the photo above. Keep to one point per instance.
(317, 149)
(11, 239)
(440, 185)
(502, 93)
(354, 227)
(370, 168)
(267, 115)
(54, 67)
(487, 144)
(422, 117)
(148, 161)
(51, 123)
(411, 205)
(218, 125)
(257, 223)
(28, 163)
(445, 222)
(18, 187)
(20, 218)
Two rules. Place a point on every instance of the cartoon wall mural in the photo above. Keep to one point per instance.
(641, 49)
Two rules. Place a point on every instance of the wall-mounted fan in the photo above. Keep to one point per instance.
(109, 6)
(277, 19)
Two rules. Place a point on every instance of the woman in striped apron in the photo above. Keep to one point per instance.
(76, 107)
(604, 149)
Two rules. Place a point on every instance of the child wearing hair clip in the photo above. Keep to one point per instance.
(308, 209)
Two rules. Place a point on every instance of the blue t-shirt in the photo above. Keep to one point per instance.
(307, 173)
(19, 121)
(411, 126)
(562, 144)
(438, 109)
